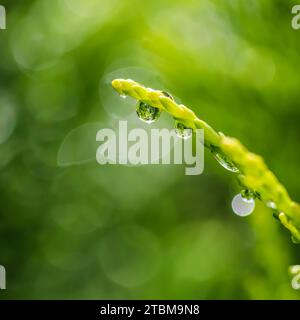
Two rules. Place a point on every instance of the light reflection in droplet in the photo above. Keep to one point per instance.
(182, 131)
(147, 113)
(242, 207)
(271, 204)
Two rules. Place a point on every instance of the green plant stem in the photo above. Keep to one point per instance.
(253, 174)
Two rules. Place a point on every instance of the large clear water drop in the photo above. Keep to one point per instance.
(241, 206)
(183, 131)
(147, 113)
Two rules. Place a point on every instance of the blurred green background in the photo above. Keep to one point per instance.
(70, 228)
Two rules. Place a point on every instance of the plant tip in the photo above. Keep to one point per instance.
(116, 83)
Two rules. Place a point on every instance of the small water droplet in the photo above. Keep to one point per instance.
(275, 215)
(248, 195)
(241, 207)
(124, 96)
(295, 240)
(147, 113)
(271, 204)
(224, 161)
(182, 131)
(167, 94)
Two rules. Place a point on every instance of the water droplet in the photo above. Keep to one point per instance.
(124, 96)
(167, 94)
(295, 240)
(182, 131)
(271, 204)
(147, 113)
(248, 195)
(241, 207)
(294, 269)
(276, 216)
(224, 161)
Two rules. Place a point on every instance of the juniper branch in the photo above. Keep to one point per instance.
(253, 174)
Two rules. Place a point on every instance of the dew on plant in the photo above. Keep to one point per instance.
(229, 152)
(295, 240)
(248, 195)
(147, 113)
(241, 206)
(224, 161)
(271, 204)
(167, 94)
(123, 96)
(182, 131)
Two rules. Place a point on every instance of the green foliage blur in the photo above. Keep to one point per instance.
(72, 229)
